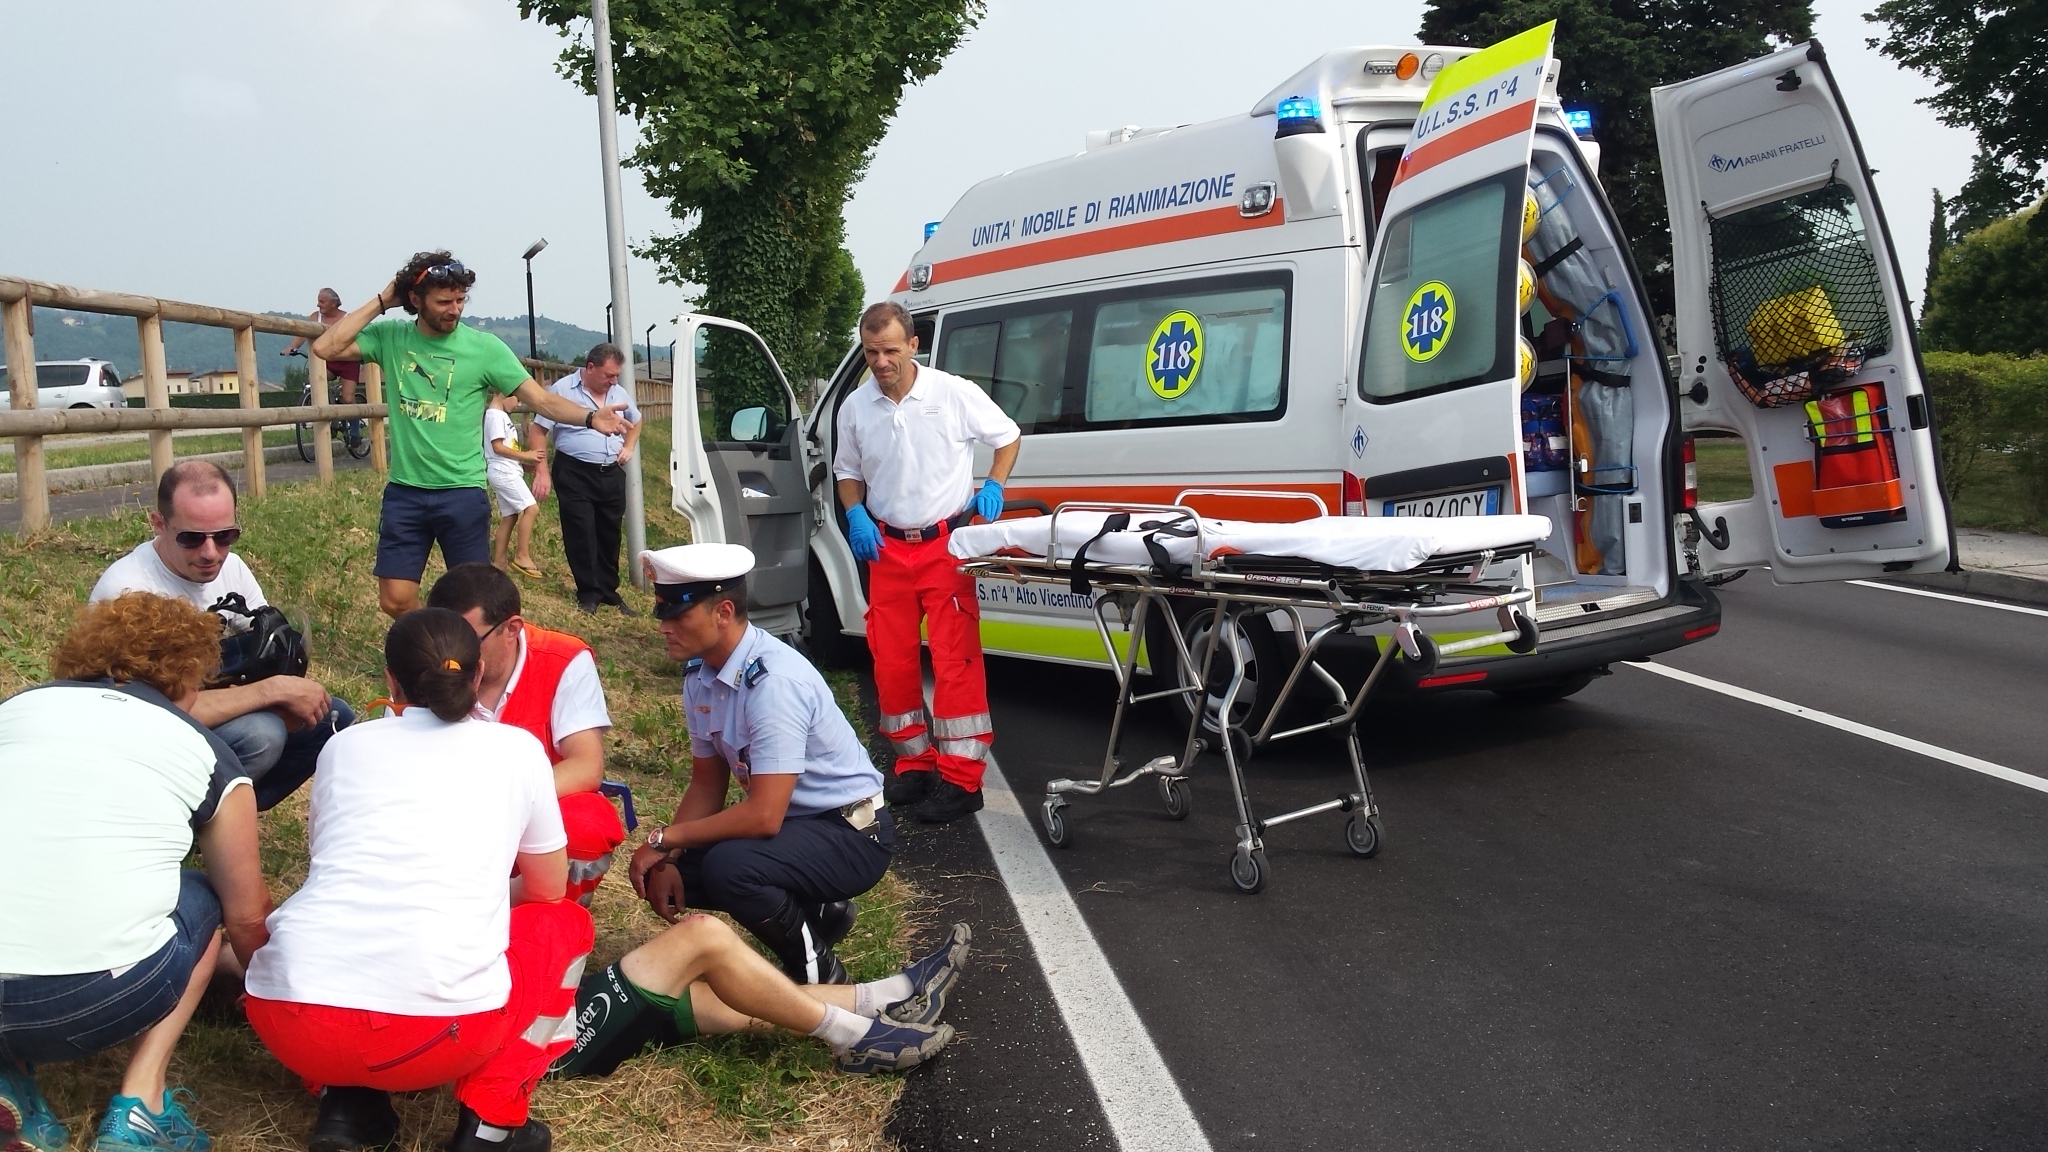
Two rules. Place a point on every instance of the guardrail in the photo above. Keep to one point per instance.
(28, 425)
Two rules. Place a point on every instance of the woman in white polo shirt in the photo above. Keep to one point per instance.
(375, 981)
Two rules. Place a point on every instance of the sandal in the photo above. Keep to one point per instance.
(524, 570)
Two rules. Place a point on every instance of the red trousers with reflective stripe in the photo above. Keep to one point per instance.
(494, 1058)
(910, 583)
(594, 831)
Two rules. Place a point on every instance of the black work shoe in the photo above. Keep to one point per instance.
(532, 1136)
(619, 602)
(904, 789)
(354, 1120)
(587, 606)
(947, 803)
(830, 923)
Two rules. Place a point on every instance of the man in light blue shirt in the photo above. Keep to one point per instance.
(810, 833)
(588, 476)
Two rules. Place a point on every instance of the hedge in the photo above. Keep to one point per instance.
(1991, 404)
(201, 400)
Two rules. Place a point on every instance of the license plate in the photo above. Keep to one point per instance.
(1478, 502)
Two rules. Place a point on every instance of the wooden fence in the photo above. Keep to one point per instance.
(28, 425)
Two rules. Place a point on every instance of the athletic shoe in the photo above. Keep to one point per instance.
(129, 1126)
(947, 803)
(354, 1120)
(532, 1136)
(904, 789)
(932, 979)
(893, 1047)
(27, 1123)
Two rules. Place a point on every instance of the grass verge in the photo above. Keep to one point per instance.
(312, 548)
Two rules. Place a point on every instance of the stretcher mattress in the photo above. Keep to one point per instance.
(1363, 543)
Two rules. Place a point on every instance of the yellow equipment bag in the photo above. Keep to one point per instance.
(1794, 327)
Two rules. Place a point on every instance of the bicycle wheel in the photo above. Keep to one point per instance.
(303, 433)
(356, 435)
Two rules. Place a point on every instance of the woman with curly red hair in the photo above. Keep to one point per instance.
(106, 782)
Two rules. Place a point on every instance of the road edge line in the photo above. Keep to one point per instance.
(1933, 595)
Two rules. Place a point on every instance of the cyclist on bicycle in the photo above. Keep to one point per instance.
(347, 371)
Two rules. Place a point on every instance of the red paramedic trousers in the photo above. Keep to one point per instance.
(595, 830)
(494, 1058)
(907, 584)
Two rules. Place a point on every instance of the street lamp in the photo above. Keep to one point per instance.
(532, 339)
(608, 337)
(671, 361)
(650, 342)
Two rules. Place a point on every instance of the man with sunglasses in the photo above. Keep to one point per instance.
(438, 374)
(277, 725)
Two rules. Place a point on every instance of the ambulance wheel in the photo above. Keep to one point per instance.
(1055, 825)
(1266, 664)
(1174, 791)
(1362, 835)
(1248, 871)
(1545, 691)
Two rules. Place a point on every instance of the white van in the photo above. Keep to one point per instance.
(1250, 304)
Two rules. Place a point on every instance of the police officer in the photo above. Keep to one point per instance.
(810, 832)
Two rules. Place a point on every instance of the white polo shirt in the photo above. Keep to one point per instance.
(917, 457)
(578, 705)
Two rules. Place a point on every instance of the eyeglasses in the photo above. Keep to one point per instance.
(451, 271)
(191, 541)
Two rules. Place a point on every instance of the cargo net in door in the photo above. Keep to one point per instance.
(1796, 298)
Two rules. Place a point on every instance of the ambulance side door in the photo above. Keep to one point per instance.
(1794, 328)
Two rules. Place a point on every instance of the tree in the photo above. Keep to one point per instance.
(1986, 58)
(1990, 292)
(1613, 52)
(757, 117)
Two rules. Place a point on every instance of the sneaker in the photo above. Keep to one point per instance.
(130, 1126)
(893, 1047)
(354, 1120)
(947, 803)
(532, 1136)
(904, 789)
(932, 979)
(27, 1124)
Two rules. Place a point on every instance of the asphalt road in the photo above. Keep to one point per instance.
(1650, 916)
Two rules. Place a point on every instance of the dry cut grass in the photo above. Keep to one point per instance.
(312, 549)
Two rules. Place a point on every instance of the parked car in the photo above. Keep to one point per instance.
(72, 384)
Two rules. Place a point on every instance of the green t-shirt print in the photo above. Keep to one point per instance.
(437, 388)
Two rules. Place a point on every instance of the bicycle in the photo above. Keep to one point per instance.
(354, 434)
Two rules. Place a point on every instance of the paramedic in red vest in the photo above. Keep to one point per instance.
(545, 682)
(904, 463)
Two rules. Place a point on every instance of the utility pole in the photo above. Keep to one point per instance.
(532, 340)
(615, 243)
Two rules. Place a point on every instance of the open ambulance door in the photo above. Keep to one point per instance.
(739, 461)
(1794, 328)
(1436, 416)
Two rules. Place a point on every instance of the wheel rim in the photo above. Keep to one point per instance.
(1196, 634)
(1245, 871)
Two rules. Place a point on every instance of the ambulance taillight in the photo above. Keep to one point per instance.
(1354, 495)
(1692, 474)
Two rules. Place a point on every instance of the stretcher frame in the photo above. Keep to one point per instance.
(1444, 586)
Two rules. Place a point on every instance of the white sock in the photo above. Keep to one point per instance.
(870, 998)
(841, 1029)
(491, 1132)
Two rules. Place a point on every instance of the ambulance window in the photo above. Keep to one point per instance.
(1376, 169)
(1185, 354)
(1020, 361)
(1438, 317)
(971, 352)
(1796, 290)
(926, 325)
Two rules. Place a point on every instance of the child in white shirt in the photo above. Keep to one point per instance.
(506, 464)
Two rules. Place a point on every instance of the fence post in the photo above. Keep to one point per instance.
(252, 438)
(156, 389)
(32, 488)
(323, 434)
(373, 380)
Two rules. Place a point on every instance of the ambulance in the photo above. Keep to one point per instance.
(1396, 287)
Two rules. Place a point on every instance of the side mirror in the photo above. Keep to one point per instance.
(750, 425)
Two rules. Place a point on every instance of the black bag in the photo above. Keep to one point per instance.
(270, 646)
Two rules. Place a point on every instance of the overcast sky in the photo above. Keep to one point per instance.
(246, 153)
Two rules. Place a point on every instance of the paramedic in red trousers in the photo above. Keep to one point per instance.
(545, 682)
(904, 464)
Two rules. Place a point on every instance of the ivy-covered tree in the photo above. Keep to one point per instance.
(757, 117)
(1613, 52)
(1989, 293)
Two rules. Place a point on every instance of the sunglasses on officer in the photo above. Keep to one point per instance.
(192, 541)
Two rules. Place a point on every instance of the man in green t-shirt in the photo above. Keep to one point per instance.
(438, 376)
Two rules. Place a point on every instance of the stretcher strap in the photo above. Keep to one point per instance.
(1114, 522)
(1545, 265)
(1183, 527)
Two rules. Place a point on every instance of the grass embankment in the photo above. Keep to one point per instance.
(125, 451)
(312, 548)
(1996, 498)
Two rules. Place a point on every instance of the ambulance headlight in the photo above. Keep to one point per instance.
(1298, 114)
(1257, 199)
(920, 277)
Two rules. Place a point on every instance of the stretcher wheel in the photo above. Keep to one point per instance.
(1525, 636)
(1362, 835)
(1174, 792)
(1055, 824)
(1248, 871)
(1240, 745)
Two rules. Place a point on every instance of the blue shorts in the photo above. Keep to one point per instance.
(47, 1019)
(415, 519)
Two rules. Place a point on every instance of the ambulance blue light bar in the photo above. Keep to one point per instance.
(1298, 114)
(1579, 120)
(930, 228)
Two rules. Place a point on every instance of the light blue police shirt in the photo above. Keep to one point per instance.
(769, 713)
(588, 444)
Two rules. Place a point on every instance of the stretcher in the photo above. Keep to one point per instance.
(1362, 571)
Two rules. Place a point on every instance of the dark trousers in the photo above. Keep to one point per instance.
(814, 860)
(591, 499)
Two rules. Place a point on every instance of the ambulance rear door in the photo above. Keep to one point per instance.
(739, 462)
(1435, 418)
(1794, 328)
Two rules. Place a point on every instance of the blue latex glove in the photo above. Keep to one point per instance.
(988, 503)
(863, 534)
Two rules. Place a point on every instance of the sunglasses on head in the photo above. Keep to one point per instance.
(451, 271)
(190, 541)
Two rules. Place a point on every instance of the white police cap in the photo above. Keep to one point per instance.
(683, 574)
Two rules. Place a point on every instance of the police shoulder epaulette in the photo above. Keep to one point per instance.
(752, 673)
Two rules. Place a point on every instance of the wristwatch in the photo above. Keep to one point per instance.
(654, 837)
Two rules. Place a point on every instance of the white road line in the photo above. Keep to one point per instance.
(1144, 1105)
(1949, 596)
(1932, 751)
